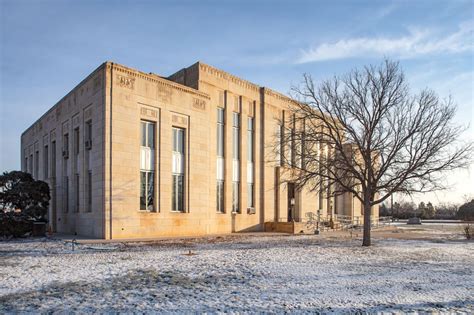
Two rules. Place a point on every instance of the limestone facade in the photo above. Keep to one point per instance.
(129, 154)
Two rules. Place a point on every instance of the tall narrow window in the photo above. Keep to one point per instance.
(89, 191)
(30, 168)
(147, 165)
(53, 159)
(76, 142)
(88, 135)
(292, 148)
(37, 164)
(88, 164)
(178, 167)
(66, 194)
(76, 192)
(66, 146)
(46, 162)
(236, 162)
(220, 159)
(250, 162)
(76, 178)
(279, 140)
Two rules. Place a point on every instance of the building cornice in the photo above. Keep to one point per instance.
(227, 76)
(151, 77)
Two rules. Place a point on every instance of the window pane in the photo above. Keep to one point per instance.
(76, 141)
(220, 196)
(46, 162)
(142, 191)
(250, 196)
(220, 140)
(235, 120)
(180, 193)
(235, 197)
(89, 190)
(250, 146)
(235, 144)
(220, 115)
(151, 135)
(143, 134)
(150, 190)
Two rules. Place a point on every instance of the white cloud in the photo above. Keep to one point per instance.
(416, 43)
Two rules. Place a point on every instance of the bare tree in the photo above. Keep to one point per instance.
(364, 133)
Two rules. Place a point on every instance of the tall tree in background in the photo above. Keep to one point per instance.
(366, 134)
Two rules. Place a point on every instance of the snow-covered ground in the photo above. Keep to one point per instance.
(244, 274)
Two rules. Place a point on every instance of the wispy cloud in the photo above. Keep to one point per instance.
(416, 43)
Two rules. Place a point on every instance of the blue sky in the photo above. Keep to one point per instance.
(47, 47)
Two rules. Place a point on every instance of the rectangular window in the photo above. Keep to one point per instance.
(250, 162)
(235, 136)
(279, 140)
(220, 160)
(66, 194)
(26, 164)
(220, 196)
(89, 191)
(30, 168)
(178, 167)
(36, 164)
(220, 132)
(235, 197)
(46, 162)
(250, 139)
(76, 142)
(147, 165)
(236, 162)
(66, 146)
(88, 135)
(147, 190)
(292, 150)
(76, 193)
(53, 159)
(250, 195)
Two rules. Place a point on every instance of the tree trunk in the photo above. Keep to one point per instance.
(367, 216)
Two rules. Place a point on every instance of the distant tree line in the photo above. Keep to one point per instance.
(444, 210)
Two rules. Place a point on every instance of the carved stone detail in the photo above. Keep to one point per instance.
(148, 112)
(177, 119)
(125, 82)
(199, 104)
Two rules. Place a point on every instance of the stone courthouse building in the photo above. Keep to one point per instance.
(129, 154)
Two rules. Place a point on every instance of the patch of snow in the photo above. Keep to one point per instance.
(254, 274)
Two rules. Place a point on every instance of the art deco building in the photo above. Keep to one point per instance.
(129, 154)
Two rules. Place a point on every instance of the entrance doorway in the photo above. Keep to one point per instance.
(291, 202)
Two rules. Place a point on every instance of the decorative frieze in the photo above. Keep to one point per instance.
(125, 82)
(179, 120)
(148, 112)
(199, 104)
